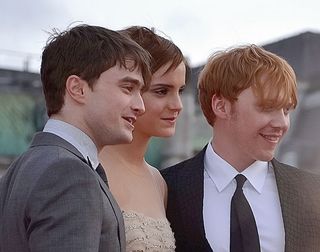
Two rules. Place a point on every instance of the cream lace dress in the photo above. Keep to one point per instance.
(147, 234)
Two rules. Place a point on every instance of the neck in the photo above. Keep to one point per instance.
(224, 147)
(132, 153)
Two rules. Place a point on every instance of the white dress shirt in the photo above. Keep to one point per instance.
(81, 141)
(261, 192)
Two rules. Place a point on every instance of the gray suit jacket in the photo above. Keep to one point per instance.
(51, 200)
(299, 193)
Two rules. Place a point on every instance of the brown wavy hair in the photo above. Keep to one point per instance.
(161, 49)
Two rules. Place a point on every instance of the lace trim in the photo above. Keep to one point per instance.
(145, 233)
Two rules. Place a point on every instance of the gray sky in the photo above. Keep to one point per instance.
(198, 27)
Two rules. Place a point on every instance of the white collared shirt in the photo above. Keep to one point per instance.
(81, 141)
(261, 192)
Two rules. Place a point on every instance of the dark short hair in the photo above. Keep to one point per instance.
(86, 51)
(162, 50)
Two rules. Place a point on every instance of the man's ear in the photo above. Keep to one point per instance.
(221, 107)
(76, 88)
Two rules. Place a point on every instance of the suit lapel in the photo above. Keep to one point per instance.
(116, 210)
(290, 203)
(191, 203)
(114, 205)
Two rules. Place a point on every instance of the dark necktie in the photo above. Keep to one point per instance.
(102, 174)
(243, 230)
(100, 171)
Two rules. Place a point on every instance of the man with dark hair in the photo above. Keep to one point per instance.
(52, 197)
(234, 195)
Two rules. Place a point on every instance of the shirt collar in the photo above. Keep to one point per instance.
(76, 137)
(256, 174)
(222, 173)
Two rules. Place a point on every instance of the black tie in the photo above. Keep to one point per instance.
(102, 174)
(243, 230)
(100, 171)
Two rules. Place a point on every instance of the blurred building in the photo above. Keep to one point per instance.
(22, 112)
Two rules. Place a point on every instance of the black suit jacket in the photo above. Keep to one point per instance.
(299, 194)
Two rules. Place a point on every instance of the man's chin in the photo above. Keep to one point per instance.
(126, 139)
(268, 157)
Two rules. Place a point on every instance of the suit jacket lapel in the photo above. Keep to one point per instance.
(192, 203)
(290, 203)
(116, 210)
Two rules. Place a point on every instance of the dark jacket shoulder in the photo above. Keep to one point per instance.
(185, 166)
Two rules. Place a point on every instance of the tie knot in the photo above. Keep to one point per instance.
(240, 180)
(99, 169)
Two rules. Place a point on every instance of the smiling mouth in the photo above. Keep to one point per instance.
(170, 119)
(129, 119)
(272, 138)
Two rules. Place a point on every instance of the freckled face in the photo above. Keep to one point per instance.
(162, 102)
